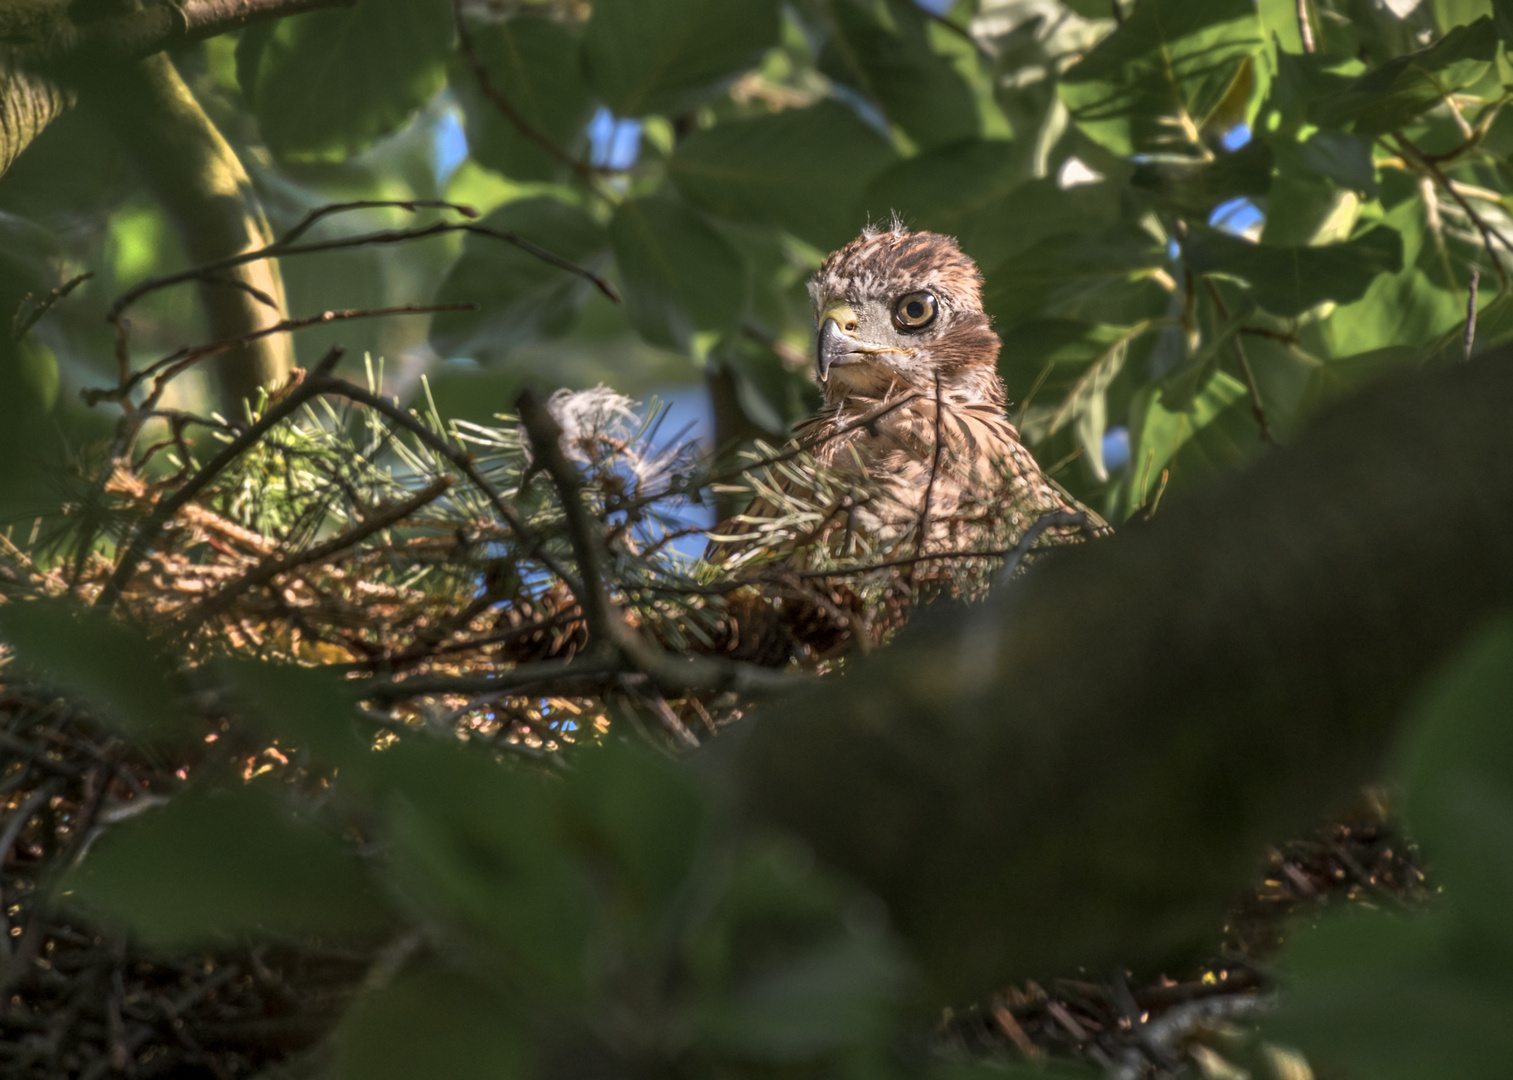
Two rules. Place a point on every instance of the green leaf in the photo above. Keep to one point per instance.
(521, 298)
(1152, 85)
(534, 64)
(802, 170)
(839, 994)
(1457, 767)
(1159, 431)
(302, 708)
(111, 666)
(1393, 999)
(1385, 99)
(666, 56)
(1341, 157)
(680, 276)
(1103, 278)
(1290, 280)
(975, 191)
(894, 65)
(330, 83)
(1197, 187)
(432, 1022)
(210, 864)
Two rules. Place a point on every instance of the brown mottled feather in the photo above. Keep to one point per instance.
(940, 384)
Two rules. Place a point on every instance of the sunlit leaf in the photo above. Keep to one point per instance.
(1151, 86)
(1158, 431)
(802, 170)
(666, 56)
(212, 864)
(1387, 98)
(533, 63)
(329, 83)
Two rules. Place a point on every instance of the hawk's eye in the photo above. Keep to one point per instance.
(914, 311)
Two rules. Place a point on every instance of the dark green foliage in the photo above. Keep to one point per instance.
(1078, 776)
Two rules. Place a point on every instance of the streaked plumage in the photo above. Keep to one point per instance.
(914, 408)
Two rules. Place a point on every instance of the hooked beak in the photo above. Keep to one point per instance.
(835, 345)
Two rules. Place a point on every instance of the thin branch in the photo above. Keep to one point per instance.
(147, 533)
(1251, 386)
(1012, 555)
(177, 363)
(1305, 27)
(1487, 230)
(412, 205)
(584, 171)
(20, 325)
(924, 508)
(265, 573)
(283, 248)
(604, 623)
(1470, 339)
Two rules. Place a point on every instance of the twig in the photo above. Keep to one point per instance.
(169, 505)
(412, 205)
(175, 364)
(1251, 386)
(283, 248)
(584, 171)
(1305, 28)
(604, 623)
(266, 572)
(924, 507)
(1012, 555)
(1471, 311)
(1487, 230)
(20, 325)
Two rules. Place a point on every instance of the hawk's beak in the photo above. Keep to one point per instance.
(837, 324)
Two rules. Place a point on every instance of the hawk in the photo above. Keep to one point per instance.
(914, 412)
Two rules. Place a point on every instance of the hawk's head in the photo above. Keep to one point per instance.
(902, 307)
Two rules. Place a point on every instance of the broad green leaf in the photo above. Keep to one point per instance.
(1502, 15)
(1290, 280)
(679, 275)
(975, 190)
(644, 818)
(666, 56)
(1197, 187)
(1079, 363)
(894, 65)
(111, 666)
(481, 849)
(1338, 156)
(1152, 85)
(1393, 999)
(1387, 98)
(521, 298)
(301, 707)
(212, 864)
(1407, 308)
(1303, 211)
(802, 170)
(1107, 277)
(1158, 432)
(533, 63)
(840, 994)
(431, 1023)
(330, 83)
(1456, 764)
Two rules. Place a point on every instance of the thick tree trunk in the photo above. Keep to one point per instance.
(196, 176)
